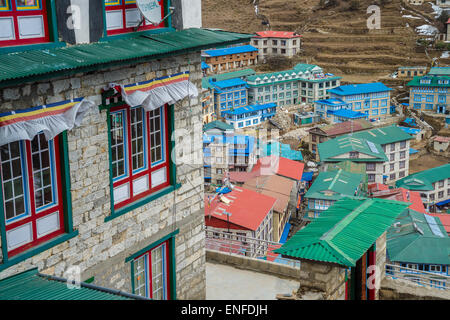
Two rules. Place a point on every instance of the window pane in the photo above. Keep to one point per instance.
(42, 173)
(12, 180)
(118, 143)
(156, 135)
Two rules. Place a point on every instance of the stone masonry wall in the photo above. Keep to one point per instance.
(101, 247)
(320, 277)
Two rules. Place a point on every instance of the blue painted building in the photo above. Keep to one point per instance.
(337, 110)
(250, 115)
(372, 99)
(429, 93)
(229, 94)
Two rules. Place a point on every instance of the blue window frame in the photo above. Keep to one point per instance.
(417, 106)
(236, 94)
(375, 112)
(243, 93)
(223, 106)
(243, 101)
(240, 124)
(430, 98)
(248, 122)
(375, 104)
(418, 97)
(429, 106)
(383, 103)
(441, 99)
(367, 104)
(383, 110)
(255, 121)
(223, 97)
(229, 96)
(230, 104)
(236, 103)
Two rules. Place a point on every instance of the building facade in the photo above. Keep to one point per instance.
(429, 93)
(230, 59)
(373, 99)
(229, 94)
(410, 72)
(396, 144)
(250, 115)
(304, 83)
(88, 183)
(276, 43)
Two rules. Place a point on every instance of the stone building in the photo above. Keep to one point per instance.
(410, 72)
(282, 43)
(92, 181)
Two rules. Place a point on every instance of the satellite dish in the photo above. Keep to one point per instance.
(151, 10)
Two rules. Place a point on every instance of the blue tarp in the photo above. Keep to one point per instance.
(412, 151)
(205, 65)
(223, 190)
(408, 130)
(443, 202)
(285, 233)
(307, 176)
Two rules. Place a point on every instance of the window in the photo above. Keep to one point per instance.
(440, 194)
(401, 174)
(435, 268)
(392, 176)
(402, 145)
(370, 166)
(123, 16)
(402, 164)
(139, 152)
(392, 157)
(441, 183)
(23, 22)
(392, 167)
(371, 177)
(151, 273)
(31, 189)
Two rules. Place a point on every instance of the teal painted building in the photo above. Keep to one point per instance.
(305, 83)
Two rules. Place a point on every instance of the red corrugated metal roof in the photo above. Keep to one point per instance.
(277, 34)
(281, 166)
(248, 208)
(445, 220)
(441, 139)
(402, 194)
(377, 187)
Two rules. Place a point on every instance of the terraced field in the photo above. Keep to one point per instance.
(335, 38)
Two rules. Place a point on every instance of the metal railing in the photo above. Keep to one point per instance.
(423, 278)
(246, 246)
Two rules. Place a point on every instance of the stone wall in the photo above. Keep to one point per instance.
(101, 247)
(327, 279)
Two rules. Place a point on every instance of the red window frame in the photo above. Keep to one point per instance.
(149, 268)
(15, 14)
(125, 4)
(34, 215)
(129, 159)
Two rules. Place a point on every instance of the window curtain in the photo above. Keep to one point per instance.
(50, 119)
(155, 93)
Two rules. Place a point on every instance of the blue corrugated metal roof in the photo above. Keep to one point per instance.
(232, 50)
(359, 88)
(332, 102)
(345, 113)
(255, 107)
(285, 233)
(229, 83)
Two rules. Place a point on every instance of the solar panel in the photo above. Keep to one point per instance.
(372, 147)
(433, 226)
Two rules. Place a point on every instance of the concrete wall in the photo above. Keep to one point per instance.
(253, 264)
(101, 247)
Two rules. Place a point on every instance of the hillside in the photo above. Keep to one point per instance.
(336, 38)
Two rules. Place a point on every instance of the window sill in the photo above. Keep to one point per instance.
(36, 250)
(142, 201)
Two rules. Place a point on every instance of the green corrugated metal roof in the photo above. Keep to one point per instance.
(219, 125)
(227, 76)
(405, 243)
(424, 180)
(39, 62)
(344, 232)
(332, 150)
(415, 82)
(29, 285)
(441, 71)
(383, 135)
(340, 182)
